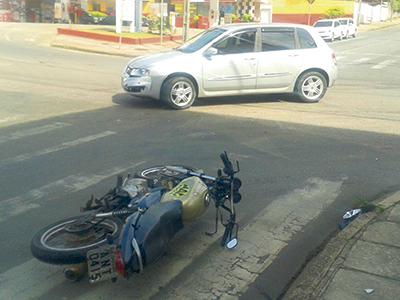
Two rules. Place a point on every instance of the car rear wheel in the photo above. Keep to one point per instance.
(311, 87)
(178, 92)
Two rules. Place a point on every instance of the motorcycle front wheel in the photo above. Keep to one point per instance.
(67, 241)
(161, 175)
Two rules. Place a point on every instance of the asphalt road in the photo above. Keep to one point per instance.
(67, 130)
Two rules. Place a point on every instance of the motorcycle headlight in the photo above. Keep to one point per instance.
(137, 71)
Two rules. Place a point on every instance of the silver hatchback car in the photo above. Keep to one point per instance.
(236, 59)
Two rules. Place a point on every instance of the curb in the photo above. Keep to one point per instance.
(318, 273)
(114, 38)
(74, 48)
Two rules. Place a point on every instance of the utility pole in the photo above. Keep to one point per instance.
(186, 19)
(310, 3)
(359, 11)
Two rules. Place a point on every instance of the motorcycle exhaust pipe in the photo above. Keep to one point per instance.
(75, 272)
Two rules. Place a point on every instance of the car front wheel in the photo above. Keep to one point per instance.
(311, 87)
(178, 92)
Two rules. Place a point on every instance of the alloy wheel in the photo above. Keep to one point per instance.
(181, 93)
(312, 87)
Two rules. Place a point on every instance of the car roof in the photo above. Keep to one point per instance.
(236, 26)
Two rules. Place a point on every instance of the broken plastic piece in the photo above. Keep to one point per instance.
(352, 213)
(348, 217)
(369, 291)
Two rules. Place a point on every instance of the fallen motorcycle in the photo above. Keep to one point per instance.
(131, 225)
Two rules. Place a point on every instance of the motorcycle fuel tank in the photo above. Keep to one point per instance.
(192, 192)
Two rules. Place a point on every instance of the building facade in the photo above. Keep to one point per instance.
(202, 11)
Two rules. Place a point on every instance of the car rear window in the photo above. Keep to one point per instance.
(323, 24)
(306, 41)
(277, 39)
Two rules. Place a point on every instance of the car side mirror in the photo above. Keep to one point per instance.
(210, 52)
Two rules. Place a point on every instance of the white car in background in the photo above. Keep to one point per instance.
(329, 29)
(348, 27)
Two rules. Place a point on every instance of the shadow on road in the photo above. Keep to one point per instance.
(127, 100)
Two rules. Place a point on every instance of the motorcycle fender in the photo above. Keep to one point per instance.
(125, 240)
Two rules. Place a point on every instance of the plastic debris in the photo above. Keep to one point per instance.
(369, 291)
(348, 217)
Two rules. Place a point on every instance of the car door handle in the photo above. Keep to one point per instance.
(250, 58)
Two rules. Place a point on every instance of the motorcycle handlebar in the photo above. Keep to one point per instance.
(228, 168)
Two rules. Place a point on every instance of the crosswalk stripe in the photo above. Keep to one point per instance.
(33, 199)
(362, 60)
(259, 244)
(33, 131)
(29, 280)
(383, 64)
(63, 146)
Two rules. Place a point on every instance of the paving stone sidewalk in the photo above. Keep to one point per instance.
(361, 262)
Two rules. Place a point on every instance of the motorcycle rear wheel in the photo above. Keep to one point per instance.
(58, 244)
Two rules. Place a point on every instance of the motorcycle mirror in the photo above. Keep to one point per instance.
(232, 243)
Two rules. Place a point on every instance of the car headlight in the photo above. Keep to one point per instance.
(137, 71)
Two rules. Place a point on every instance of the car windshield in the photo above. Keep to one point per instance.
(200, 40)
(323, 24)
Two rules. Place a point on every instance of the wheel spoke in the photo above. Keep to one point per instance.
(187, 90)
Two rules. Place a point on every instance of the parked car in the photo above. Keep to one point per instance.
(329, 29)
(348, 27)
(236, 59)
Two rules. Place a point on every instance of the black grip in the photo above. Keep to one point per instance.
(228, 168)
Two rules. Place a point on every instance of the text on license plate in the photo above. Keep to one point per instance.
(101, 263)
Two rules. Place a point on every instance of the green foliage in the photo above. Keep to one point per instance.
(367, 206)
(155, 25)
(97, 14)
(333, 13)
(246, 18)
(396, 5)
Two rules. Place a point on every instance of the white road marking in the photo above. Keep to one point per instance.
(7, 37)
(63, 146)
(28, 280)
(29, 39)
(383, 64)
(362, 60)
(33, 199)
(340, 57)
(259, 244)
(33, 131)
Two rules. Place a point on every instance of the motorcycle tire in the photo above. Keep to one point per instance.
(42, 249)
(158, 176)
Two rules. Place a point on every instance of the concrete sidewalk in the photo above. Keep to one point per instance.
(361, 262)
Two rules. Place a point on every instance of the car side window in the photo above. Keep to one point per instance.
(306, 41)
(277, 40)
(242, 42)
(337, 24)
(351, 22)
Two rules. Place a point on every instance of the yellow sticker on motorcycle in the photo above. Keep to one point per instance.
(180, 190)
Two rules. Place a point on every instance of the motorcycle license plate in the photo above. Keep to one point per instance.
(101, 263)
